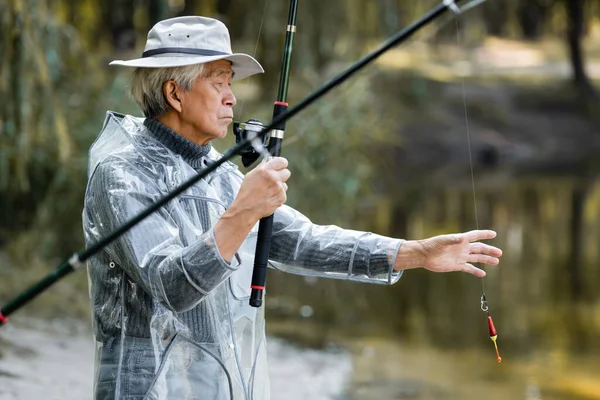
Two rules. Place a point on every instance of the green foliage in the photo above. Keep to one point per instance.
(46, 92)
(330, 153)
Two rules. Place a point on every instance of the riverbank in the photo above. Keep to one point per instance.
(54, 361)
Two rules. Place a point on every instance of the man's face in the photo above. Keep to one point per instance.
(208, 106)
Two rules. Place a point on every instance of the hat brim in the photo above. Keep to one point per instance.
(243, 65)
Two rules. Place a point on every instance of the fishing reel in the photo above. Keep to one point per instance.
(249, 130)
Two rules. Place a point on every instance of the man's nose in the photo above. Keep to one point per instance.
(229, 98)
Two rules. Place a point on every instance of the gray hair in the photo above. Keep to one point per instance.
(147, 86)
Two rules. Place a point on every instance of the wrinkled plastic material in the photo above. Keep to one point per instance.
(171, 316)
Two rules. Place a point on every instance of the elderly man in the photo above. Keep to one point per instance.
(170, 298)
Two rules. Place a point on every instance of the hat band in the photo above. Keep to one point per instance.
(184, 50)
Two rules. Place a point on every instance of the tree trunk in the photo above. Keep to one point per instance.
(223, 7)
(157, 11)
(118, 15)
(574, 37)
(72, 14)
(270, 49)
(388, 15)
(576, 234)
(400, 218)
(495, 16)
(190, 7)
(531, 15)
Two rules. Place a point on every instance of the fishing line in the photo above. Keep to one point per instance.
(262, 20)
(483, 300)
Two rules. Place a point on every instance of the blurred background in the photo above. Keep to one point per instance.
(388, 152)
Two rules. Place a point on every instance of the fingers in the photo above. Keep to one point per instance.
(471, 269)
(481, 234)
(278, 167)
(283, 195)
(275, 163)
(484, 253)
(480, 248)
(283, 174)
(482, 258)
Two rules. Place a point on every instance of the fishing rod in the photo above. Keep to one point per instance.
(77, 260)
(265, 227)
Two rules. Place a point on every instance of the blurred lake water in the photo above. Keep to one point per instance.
(426, 337)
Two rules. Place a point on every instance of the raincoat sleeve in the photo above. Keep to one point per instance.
(175, 270)
(301, 247)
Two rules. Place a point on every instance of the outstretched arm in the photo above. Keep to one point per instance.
(301, 247)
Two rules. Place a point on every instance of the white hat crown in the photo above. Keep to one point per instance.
(184, 41)
(188, 34)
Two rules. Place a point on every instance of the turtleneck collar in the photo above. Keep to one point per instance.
(191, 152)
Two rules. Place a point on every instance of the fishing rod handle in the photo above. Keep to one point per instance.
(265, 227)
(261, 258)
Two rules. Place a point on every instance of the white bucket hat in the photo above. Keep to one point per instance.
(183, 41)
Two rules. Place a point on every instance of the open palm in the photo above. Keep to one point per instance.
(458, 252)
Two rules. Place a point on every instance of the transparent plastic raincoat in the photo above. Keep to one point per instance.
(171, 316)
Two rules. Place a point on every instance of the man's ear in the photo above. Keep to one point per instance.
(171, 93)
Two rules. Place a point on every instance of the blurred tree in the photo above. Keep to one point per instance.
(320, 34)
(532, 15)
(49, 84)
(496, 17)
(158, 10)
(190, 7)
(117, 17)
(24, 72)
(72, 11)
(223, 7)
(389, 14)
(575, 266)
(273, 20)
(575, 32)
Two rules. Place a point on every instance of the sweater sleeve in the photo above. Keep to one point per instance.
(301, 247)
